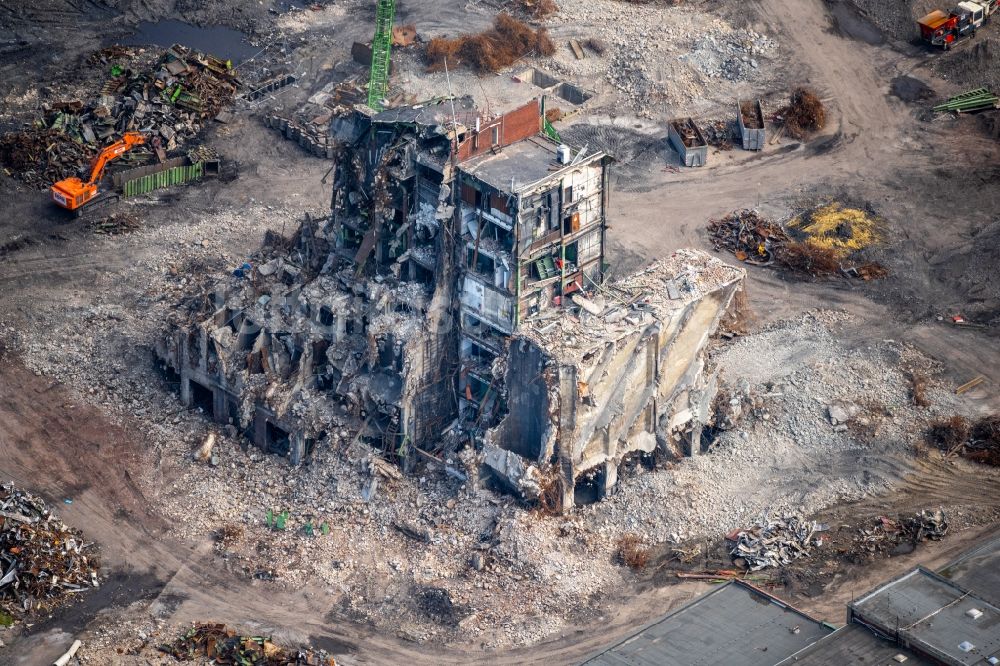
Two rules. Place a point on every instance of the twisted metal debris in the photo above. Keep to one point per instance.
(774, 541)
(222, 645)
(43, 559)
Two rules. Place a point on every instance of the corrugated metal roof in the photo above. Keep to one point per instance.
(734, 624)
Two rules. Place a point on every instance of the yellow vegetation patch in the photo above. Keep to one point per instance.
(834, 227)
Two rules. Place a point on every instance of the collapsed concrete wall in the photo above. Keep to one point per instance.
(620, 373)
(287, 353)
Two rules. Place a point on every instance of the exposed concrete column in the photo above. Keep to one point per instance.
(297, 447)
(609, 478)
(219, 411)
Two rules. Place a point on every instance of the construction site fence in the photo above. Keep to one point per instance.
(160, 179)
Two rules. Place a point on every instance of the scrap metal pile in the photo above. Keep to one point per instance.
(886, 536)
(749, 235)
(774, 541)
(170, 102)
(221, 645)
(43, 559)
(756, 240)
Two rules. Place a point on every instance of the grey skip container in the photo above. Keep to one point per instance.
(752, 127)
(688, 140)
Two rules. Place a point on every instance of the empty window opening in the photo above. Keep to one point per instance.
(480, 263)
(325, 316)
(203, 398)
(587, 488)
(278, 440)
(495, 135)
(170, 375)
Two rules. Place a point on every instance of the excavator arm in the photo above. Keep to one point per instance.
(73, 193)
(114, 151)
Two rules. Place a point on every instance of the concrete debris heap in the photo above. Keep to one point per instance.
(455, 297)
(222, 645)
(43, 559)
(170, 102)
(774, 541)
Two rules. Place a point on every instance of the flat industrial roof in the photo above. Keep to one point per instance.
(733, 624)
(978, 570)
(523, 164)
(933, 615)
(854, 644)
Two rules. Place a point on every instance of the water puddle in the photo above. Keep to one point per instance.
(224, 43)
(850, 23)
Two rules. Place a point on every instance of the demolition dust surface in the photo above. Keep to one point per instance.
(431, 558)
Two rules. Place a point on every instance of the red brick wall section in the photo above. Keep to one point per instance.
(514, 126)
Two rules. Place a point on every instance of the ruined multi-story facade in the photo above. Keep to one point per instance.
(615, 375)
(457, 286)
(533, 227)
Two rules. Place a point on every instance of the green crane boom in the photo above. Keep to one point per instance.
(378, 82)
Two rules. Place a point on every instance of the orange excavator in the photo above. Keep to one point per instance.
(73, 194)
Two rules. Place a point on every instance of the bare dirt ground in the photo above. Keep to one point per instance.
(941, 251)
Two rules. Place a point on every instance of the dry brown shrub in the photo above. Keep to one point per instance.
(492, 50)
(631, 551)
(948, 434)
(550, 496)
(985, 446)
(872, 271)
(229, 535)
(804, 114)
(810, 259)
(538, 8)
(918, 388)
(553, 115)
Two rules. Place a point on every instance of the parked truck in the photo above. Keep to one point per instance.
(946, 29)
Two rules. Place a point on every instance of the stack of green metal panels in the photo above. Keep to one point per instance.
(974, 100)
(165, 178)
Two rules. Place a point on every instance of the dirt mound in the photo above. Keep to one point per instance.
(804, 114)
(910, 89)
(490, 51)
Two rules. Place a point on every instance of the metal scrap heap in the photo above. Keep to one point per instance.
(222, 645)
(43, 559)
(169, 101)
(885, 536)
(749, 235)
(774, 541)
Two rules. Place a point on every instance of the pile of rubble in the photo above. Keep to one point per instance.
(122, 222)
(776, 540)
(888, 537)
(170, 102)
(221, 645)
(647, 53)
(731, 55)
(43, 559)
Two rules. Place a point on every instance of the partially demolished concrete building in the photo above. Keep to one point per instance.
(456, 296)
(610, 376)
